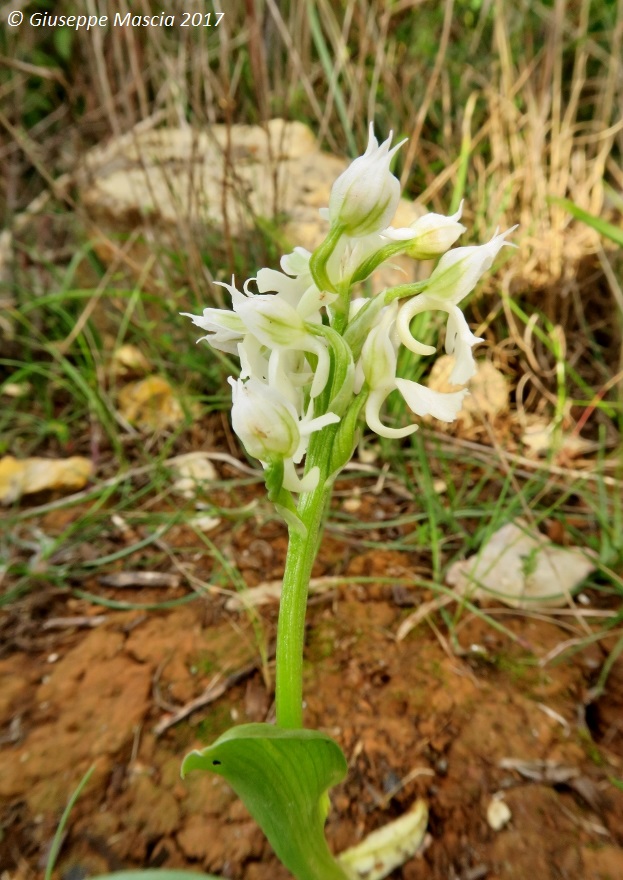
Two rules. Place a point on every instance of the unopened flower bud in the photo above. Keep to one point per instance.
(378, 355)
(365, 197)
(458, 271)
(266, 423)
(430, 235)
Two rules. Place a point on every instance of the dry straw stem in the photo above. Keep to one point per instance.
(549, 147)
(534, 138)
(546, 121)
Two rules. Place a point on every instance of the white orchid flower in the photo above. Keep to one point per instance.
(300, 292)
(459, 338)
(429, 236)
(270, 428)
(459, 342)
(278, 325)
(456, 275)
(364, 198)
(459, 270)
(442, 405)
(351, 253)
(224, 328)
(266, 423)
(378, 367)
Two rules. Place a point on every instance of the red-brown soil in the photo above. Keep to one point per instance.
(458, 716)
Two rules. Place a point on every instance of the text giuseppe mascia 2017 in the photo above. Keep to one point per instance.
(161, 19)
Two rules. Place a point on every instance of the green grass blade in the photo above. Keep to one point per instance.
(58, 837)
(608, 230)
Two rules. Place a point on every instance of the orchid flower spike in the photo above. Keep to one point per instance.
(312, 357)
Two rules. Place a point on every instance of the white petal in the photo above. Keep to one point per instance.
(253, 358)
(236, 295)
(293, 483)
(459, 341)
(289, 289)
(225, 329)
(296, 263)
(373, 408)
(280, 379)
(323, 367)
(274, 322)
(425, 401)
(312, 300)
(308, 427)
(407, 311)
(218, 321)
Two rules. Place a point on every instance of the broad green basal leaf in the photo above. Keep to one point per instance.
(282, 776)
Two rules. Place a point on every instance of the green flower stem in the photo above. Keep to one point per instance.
(340, 307)
(404, 290)
(319, 258)
(302, 551)
(385, 253)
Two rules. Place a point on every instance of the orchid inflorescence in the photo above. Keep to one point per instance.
(312, 357)
(315, 362)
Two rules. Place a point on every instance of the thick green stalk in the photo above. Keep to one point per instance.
(302, 551)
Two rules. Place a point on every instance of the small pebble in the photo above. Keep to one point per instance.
(352, 505)
(498, 814)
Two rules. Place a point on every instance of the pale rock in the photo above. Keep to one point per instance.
(150, 404)
(204, 522)
(128, 360)
(488, 390)
(178, 182)
(541, 437)
(29, 475)
(521, 568)
(389, 847)
(498, 814)
(193, 471)
(16, 389)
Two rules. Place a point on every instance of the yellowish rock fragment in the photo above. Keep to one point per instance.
(25, 476)
(498, 814)
(150, 404)
(128, 360)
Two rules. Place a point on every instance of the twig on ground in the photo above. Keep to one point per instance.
(217, 687)
(69, 622)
